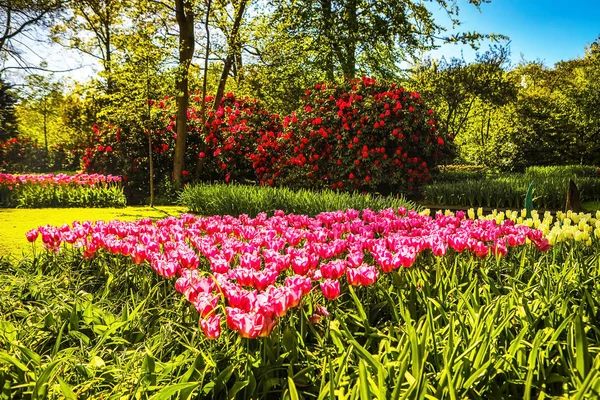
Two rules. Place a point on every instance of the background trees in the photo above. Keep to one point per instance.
(8, 120)
(18, 21)
(502, 115)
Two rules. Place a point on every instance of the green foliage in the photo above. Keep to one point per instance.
(233, 199)
(352, 38)
(22, 155)
(509, 118)
(455, 173)
(40, 112)
(567, 171)
(8, 120)
(509, 190)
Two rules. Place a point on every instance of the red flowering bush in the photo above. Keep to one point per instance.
(359, 135)
(26, 155)
(123, 150)
(22, 155)
(231, 135)
(221, 146)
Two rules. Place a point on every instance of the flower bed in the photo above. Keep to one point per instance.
(61, 190)
(254, 270)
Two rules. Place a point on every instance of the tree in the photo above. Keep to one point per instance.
(39, 111)
(8, 120)
(91, 28)
(467, 97)
(185, 20)
(79, 110)
(352, 37)
(18, 19)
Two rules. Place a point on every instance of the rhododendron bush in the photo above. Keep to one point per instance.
(360, 134)
(230, 137)
(26, 155)
(123, 150)
(219, 148)
(246, 273)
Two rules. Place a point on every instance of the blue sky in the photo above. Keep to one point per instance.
(544, 30)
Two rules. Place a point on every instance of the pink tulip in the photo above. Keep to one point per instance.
(32, 235)
(211, 326)
(205, 303)
(330, 289)
(334, 269)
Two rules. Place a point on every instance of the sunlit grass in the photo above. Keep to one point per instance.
(15, 222)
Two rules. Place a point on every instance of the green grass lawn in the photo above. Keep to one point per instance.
(15, 222)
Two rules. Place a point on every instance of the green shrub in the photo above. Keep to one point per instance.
(569, 171)
(456, 173)
(509, 191)
(234, 199)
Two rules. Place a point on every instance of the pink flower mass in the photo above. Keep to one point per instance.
(253, 270)
(58, 179)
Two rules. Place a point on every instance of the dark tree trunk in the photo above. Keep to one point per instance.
(234, 47)
(328, 27)
(185, 21)
(203, 146)
(349, 64)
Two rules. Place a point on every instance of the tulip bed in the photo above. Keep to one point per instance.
(61, 190)
(388, 304)
(259, 268)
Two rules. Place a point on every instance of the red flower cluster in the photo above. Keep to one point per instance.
(230, 135)
(357, 135)
(254, 270)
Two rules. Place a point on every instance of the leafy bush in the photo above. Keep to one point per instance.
(233, 199)
(359, 135)
(217, 150)
(123, 150)
(22, 155)
(568, 171)
(25, 155)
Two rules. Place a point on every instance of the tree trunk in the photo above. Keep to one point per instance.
(185, 21)
(233, 44)
(203, 146)
(110, 86)
(349, 64)
(327, 27)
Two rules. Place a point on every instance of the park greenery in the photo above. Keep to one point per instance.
(311, 148)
